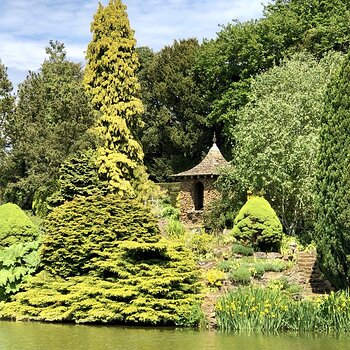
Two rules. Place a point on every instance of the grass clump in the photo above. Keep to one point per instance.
(175, 229)
(242, 275)
(274, 266)
(283, 284)
(226, 265)
(242, 249)
(243, 271)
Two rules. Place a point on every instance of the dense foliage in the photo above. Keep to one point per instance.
(111, 82)
(78, 176)
(19, 243)
(257, 225)
(319, 25)
(51, 117)
(277, 137)
(17, 263)
(176, 131)
(241, 51)
(6, 109)
(104, 261)
(333, 185)
(15, 226)
(72, 149)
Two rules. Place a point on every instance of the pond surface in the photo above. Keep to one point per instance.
(38, 336)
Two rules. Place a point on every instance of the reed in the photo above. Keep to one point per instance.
(256, 309)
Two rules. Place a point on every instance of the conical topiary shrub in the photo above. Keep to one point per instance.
(257, 225)
(15, 226)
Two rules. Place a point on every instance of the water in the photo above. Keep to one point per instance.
(38, 336)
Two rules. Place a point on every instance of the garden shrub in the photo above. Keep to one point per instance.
(274, 265)
(226, 265)
(259, 270)
(281, 283)
(215, 277)
(175, 228)
(17, 263)
(105, 261)
(257, 225)
(242, 270)
(199, 243)
(170, 212)
(294, 289)
(241, 276)
(242, 249)
(15, 226)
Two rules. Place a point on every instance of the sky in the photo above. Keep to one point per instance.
(27, 26)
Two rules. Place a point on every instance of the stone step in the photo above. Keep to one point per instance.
(308, 263)
(309, 258)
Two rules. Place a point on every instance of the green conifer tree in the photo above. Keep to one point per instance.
(333, 220)
(111, 82)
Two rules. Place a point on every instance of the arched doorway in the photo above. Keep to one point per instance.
(198, 195)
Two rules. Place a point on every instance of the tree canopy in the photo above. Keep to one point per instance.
(277, 136)
(176, 131)
(50, 120)
(6, 109)
(243, 50)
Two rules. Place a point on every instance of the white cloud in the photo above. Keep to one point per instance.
(26, 26)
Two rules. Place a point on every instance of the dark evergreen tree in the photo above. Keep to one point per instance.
(176, 133)
(333, 182)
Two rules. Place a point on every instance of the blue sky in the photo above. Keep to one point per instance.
(26, 26)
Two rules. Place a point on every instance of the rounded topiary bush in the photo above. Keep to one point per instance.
(15, 226)
(257, 225)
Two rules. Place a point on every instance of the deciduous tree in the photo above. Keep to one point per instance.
(277, 137)
(49, 122)
(6, 109)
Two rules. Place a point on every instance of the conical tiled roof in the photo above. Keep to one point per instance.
(210, 165)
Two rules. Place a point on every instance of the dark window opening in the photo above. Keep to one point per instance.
(198, 196)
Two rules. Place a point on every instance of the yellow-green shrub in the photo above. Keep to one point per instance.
(104, 261)
(15, 226)
(215, 277)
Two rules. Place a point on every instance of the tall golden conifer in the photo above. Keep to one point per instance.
(112, 84)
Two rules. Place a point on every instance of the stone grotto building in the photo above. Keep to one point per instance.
(197, 190)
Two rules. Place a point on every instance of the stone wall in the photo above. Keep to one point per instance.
(188, 215)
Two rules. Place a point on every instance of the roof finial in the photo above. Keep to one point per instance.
(214, 138)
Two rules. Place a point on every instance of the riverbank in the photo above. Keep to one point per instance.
(301, 275)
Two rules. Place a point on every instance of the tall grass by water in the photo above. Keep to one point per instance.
(256, 309)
